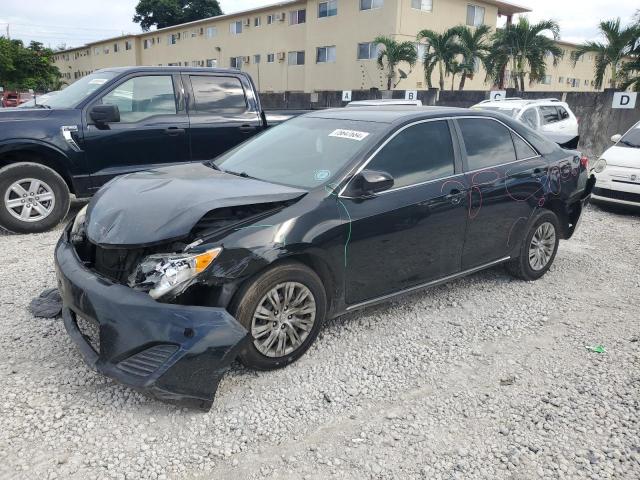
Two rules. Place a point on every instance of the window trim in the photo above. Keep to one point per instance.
(297, 15)
(192, 104)
(421, 9)
(360, 9)
(459, 149)
(327, 2)
(484, 15)
(326, 48)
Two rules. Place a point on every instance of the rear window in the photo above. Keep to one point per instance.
(488, 143)
(549, 115)
(218, 94)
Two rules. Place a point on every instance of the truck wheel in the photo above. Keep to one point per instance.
(282, 309)
(34, 198)
(538, 250)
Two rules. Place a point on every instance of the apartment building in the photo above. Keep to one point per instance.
(310, 45)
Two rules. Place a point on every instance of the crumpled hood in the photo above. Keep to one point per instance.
(155, 206)
(622, 157)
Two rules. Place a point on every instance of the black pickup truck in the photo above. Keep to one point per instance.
(117, 121)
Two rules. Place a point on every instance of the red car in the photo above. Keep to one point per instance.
(13, 99)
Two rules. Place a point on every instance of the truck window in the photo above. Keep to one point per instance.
(143, 97)
(218, 94)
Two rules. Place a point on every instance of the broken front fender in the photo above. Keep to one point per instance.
(175, 352)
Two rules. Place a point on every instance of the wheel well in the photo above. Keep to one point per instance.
(48, 159)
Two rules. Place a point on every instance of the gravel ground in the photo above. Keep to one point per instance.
(485, 377)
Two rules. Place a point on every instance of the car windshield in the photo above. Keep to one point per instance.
(509, 112)
(631, 139)
(305, 152)
(78, 91)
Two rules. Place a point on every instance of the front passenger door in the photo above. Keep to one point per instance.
(153, 129)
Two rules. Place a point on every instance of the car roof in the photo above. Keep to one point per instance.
(513, 103)
(395, 114)
(176, 68)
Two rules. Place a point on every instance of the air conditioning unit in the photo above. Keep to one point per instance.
(247, 22)
(282, 17)
(246, 60)
(282, 56)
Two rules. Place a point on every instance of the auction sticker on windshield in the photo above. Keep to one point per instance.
(98, 81)
(349, 134)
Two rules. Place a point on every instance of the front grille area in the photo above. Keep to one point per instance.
(144, 363)
(116, 263)
(617, 195)
(90, 330)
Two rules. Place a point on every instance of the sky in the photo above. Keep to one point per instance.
(76, 22)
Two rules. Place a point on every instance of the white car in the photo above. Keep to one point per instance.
(551, 117)
(617, 171)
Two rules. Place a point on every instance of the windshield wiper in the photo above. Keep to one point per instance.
(238, 174)
(629, 144)
(42, 105)
(211, 164)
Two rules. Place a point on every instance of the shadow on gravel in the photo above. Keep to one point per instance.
(621, 210)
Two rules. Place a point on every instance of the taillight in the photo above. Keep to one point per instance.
(584, 162)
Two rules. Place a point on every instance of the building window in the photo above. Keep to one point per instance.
(212, 62)
(368, 51)
(235, 27)
(475, 15)
(271, 57)
(257, 21)
(560, 79)
(421, 50)
(296, 58)
(297, 16)
(211, 32)
(424, 5)
(371, 4)
(146, 43)
(105, 50)
(328, 9)
(172, 39)
(257, 58)
(269, 19)
(546, 80)
(236, 62)
(116, 48)
(128, 45)
(326, 54)
(96, 51)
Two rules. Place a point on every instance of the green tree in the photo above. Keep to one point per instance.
(525, 48)
(441, 50)
(393, 54)
(166, 13)
(475, 45)
(27, 67)
(609, 55)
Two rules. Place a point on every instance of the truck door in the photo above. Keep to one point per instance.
(220, 115)
(152, 131)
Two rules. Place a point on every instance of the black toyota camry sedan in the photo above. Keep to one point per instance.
(171, 274)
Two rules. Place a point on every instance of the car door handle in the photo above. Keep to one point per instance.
(174, 131)
(455, 196)
(247, 128)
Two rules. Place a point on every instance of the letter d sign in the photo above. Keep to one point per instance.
(624, 100)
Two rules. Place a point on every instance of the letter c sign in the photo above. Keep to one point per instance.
(497, 95)
(624, 100)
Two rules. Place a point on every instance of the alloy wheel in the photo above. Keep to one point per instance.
(542, 246)
(283, 319)
(29, 200)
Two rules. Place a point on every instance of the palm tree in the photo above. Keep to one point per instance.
(441, 50)
(631, 68)
(394, 53)
(475, 48)
(619, 41)
(455, 67)
(524, 46)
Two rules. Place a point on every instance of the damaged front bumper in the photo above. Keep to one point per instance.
(177, 353)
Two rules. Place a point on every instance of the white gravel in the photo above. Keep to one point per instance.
(486, 377)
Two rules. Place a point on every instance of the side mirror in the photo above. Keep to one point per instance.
(369, 182)
(103, 114)
(616, 138)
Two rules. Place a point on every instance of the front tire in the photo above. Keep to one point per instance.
(33, 198)
(539, 248)
(282, 309)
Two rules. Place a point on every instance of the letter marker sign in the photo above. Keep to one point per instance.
(411, 95)
(624, 100)
(496, 95)
(346, 95)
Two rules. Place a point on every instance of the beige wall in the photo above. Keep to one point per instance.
(351, 26)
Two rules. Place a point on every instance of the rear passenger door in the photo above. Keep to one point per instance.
(220, 115)
(507, 179)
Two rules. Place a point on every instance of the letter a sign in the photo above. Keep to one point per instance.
(624, 100)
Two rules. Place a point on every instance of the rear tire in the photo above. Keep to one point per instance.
(255, 307)
(539, 248)
(33, 198)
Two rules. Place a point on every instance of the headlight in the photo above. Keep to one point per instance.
(600, 165)
(77, 230)
(164, 273)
